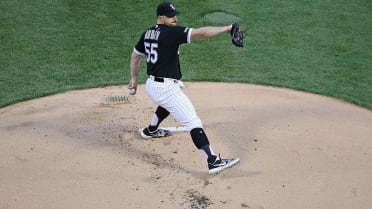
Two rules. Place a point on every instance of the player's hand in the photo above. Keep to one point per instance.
(132, 87)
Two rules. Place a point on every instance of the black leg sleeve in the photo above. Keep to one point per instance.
(161, 114)
(199, 137)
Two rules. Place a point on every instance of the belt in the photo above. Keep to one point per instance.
(158, 79)
(163, 80)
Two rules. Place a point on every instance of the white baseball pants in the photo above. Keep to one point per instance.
(169, 95)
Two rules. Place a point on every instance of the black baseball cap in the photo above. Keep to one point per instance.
(166, 9)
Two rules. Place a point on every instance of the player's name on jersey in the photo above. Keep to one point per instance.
(152, 35)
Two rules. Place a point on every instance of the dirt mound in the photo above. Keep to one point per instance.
(81, 149)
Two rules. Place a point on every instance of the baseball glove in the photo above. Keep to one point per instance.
(237, 36)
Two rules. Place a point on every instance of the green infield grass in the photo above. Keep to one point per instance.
(318, 46)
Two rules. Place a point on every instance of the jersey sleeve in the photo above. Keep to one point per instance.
(139, 48)
(189, 35)
(183, 34)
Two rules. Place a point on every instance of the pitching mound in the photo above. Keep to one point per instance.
(81, 149)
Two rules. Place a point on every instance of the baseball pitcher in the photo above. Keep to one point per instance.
(159, 46)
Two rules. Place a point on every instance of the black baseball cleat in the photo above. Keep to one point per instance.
(147, 134)
(222, 164)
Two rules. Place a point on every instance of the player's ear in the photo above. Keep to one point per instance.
(161, 19)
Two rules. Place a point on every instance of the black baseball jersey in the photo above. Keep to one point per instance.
(160, 44)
